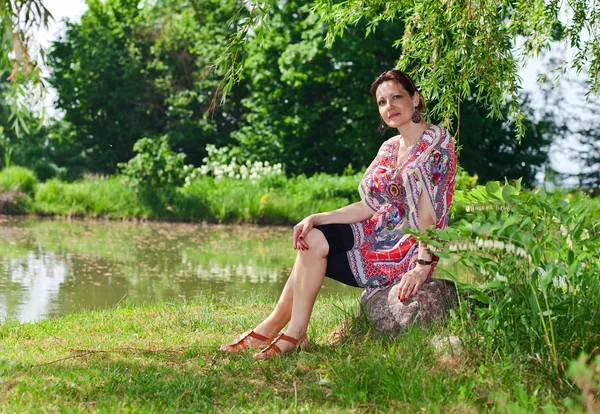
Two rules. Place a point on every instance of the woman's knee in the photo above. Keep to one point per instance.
(317, 243)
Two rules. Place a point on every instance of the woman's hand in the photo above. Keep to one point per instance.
(301, 230)
(412, 281)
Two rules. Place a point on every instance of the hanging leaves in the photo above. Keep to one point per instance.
(456, 49)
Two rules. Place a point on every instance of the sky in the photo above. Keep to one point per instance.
(74, 9)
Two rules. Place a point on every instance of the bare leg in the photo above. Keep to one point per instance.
(299, 293)
(308, 275)
(282, 313)
(278, 318)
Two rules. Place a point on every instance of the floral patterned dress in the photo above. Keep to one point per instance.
(382, 252)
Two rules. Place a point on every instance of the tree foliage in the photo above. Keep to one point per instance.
(308, 106)
(455, 49)
(590, 138)
(490, 150)
(126, 72)
(28, 145)
(582, 123)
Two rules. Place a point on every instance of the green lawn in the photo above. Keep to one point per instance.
(164, 358)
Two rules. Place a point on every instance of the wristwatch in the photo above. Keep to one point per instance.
(424, 262)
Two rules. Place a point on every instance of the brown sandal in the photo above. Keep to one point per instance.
(242, 344)
(273, 350)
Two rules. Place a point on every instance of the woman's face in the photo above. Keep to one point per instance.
(396, 106)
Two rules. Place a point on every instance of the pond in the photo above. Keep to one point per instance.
(55, 267)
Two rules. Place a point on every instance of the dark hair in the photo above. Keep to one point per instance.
(403, 79)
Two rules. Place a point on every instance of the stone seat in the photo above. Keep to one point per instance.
(430, 305)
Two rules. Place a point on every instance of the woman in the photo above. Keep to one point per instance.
(409, 185)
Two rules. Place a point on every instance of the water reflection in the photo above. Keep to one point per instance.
(31, 285)
(54, 267)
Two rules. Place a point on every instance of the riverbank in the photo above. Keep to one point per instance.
(164, 358)
(270, 200)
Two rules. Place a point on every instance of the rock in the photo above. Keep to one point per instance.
(430, 305)
(446, 345)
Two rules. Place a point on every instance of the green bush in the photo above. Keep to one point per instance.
(464, 181)
(155, 165)
(18, 179)
(46, 170)
(533, 258)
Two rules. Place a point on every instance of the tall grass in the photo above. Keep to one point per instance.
(272, 200)
(92, 197)
(18, 179)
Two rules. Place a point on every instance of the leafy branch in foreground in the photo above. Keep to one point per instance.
(18, 18)
(534, 257)
(455, 49)
(252, 21)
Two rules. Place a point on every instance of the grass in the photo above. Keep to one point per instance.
(164, 358)
(268, 201)
(18, 179)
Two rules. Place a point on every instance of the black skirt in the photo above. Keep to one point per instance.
(340, 239)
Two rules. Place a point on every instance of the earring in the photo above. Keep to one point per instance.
(382, 128)
(416, 117)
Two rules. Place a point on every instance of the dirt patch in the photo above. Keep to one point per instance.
(9, 202)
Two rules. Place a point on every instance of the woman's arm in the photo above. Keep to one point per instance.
(352, 213)
(413, 279)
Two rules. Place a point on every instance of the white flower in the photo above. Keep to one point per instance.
(560, 282)
(510, 247)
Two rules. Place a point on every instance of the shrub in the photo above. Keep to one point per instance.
(534, 258)
(155, 165)
(45, 170)
(19, 179)
(464, 181)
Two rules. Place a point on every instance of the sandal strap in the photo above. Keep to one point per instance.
(273, 345)
(272, 348)
(287, 338)
(251, 334)
(258, 336)
(303, 338)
